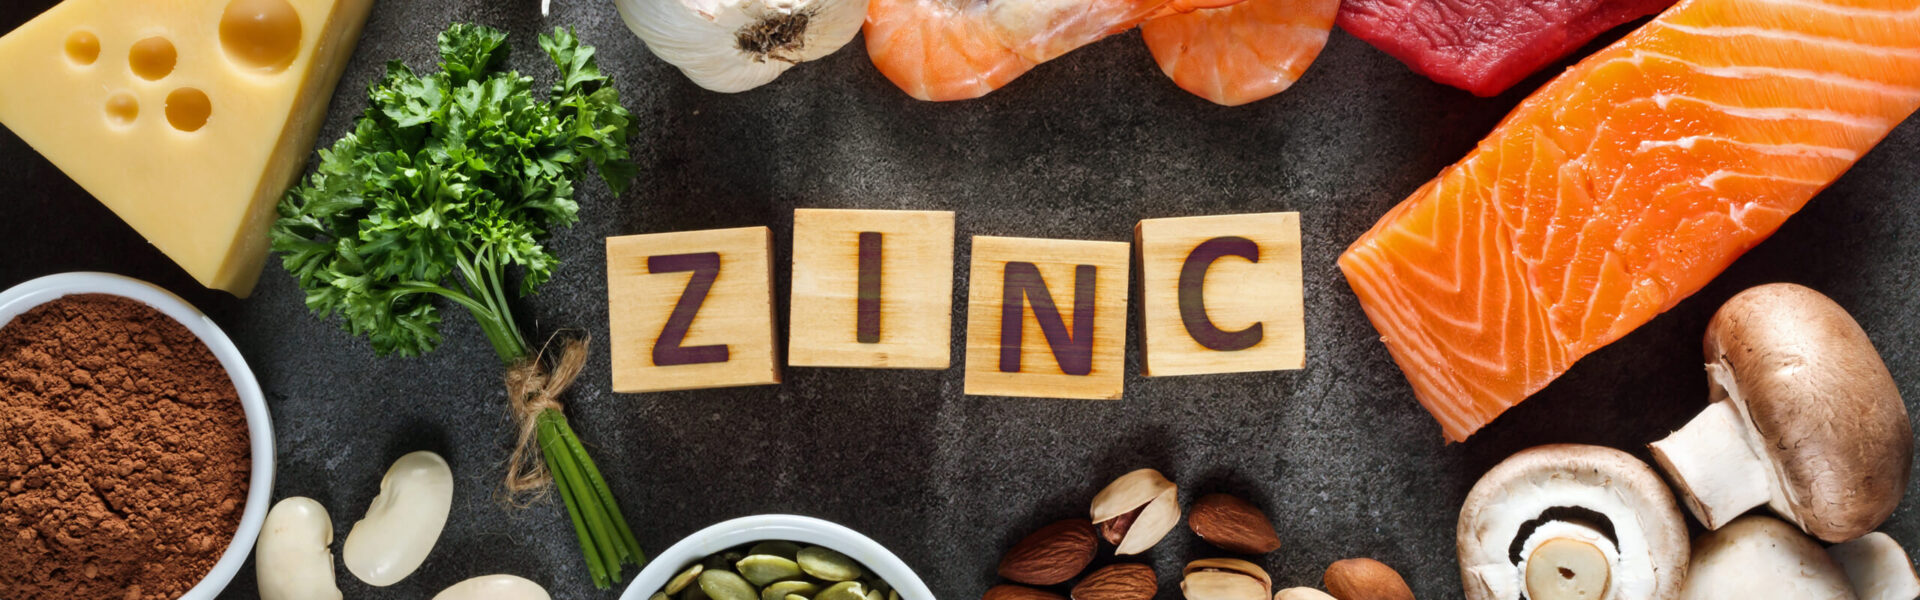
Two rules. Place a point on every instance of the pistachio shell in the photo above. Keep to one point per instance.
(780, 548)
(762, 569)
(1230, 564)
(829, 565)
(679, 582)
(845, 590)
(1129, 492)
(727, 585)
(784, 589)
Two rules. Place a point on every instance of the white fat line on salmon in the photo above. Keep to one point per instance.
(1662, 100)
(1754, 72)
(1726, 31)
(1849, 11)
(1808, 150)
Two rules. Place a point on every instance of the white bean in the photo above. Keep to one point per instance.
(494, 587)
(291, 560)
(403, 522)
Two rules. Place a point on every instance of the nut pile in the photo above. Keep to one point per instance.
(777, 570)
(1133, 514)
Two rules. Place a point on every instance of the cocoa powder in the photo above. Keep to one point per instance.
(123, 453)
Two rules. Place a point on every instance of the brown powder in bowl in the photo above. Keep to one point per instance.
(123, 453)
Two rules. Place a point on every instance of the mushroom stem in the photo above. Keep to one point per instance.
(1877, 567)
(1714, 466)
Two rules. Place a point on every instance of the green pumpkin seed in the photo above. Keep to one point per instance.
(781, 548)
(893, 595)
(679, 582)
(829, 565)
(875, 595)
(723, 561)
(727, 585)
(845, 590)
(658, 596)
(762, 569)
(693, 592)
(782, 589)
(796, 597)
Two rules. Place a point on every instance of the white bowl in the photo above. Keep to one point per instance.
(793, 528)
(25, 296)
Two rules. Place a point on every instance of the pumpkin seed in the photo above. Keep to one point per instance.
(693, 592)
(829, 565)
(782, 589)
(727, 585)
(893, 595)
(875, 595)
(658, 596)
(796, 597)
(845, 590)
(781, 548)
(762, 569)
(679, 582)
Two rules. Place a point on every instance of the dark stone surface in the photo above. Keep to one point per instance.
(1084, 146)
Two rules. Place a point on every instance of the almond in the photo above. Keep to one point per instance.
(1051, 555)
(1006, 591)
(1232, 524)
(1126, 581)
(1365, 579)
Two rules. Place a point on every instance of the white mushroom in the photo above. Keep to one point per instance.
(1571, 522)
(1877, 568)
(1804, 418)
(1762, 558)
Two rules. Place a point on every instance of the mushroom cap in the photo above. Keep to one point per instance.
(1823, 405)
(1650, 533)
(1757, 557)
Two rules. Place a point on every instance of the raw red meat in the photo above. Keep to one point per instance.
(1485, 46)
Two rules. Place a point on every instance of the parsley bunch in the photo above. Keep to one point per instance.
(445, 182)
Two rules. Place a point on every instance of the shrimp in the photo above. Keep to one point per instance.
(1243, 52)
(960, 49)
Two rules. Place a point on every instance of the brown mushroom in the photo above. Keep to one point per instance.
(1569, 522)
(1803, 417)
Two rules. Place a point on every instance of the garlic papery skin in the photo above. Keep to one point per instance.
(737, 45)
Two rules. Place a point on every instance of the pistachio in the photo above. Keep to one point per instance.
(679, 582)
(726, 585)
(1225, 579)
(1301, 593)
(782, 589)
(763, 569)
(826, 564)
(1137, 510)
(781, 548)
(845, 590)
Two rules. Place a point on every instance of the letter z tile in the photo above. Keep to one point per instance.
(691, 310)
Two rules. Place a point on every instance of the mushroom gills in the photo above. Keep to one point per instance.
(1878, 568)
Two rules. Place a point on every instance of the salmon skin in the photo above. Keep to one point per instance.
(1624, 186)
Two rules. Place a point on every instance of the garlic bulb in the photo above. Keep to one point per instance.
(738, 45)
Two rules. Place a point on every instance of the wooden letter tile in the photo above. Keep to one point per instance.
(871, 288)
(1220, 294)
(691, 310)
(1028, 328)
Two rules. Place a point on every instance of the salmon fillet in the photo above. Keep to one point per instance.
(1624, 186)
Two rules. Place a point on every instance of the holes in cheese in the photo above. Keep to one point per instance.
(152, 58)
(83, 47)
(122, 108)
(188, 109)
(260, 34)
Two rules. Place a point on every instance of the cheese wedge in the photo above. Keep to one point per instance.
(188, 118)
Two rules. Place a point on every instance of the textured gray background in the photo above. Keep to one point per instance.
(1081, 148)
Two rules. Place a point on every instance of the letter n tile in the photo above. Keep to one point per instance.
(691, 310)
(1220, 294)
(1047, 318)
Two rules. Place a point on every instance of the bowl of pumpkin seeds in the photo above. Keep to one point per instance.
(777, 557)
